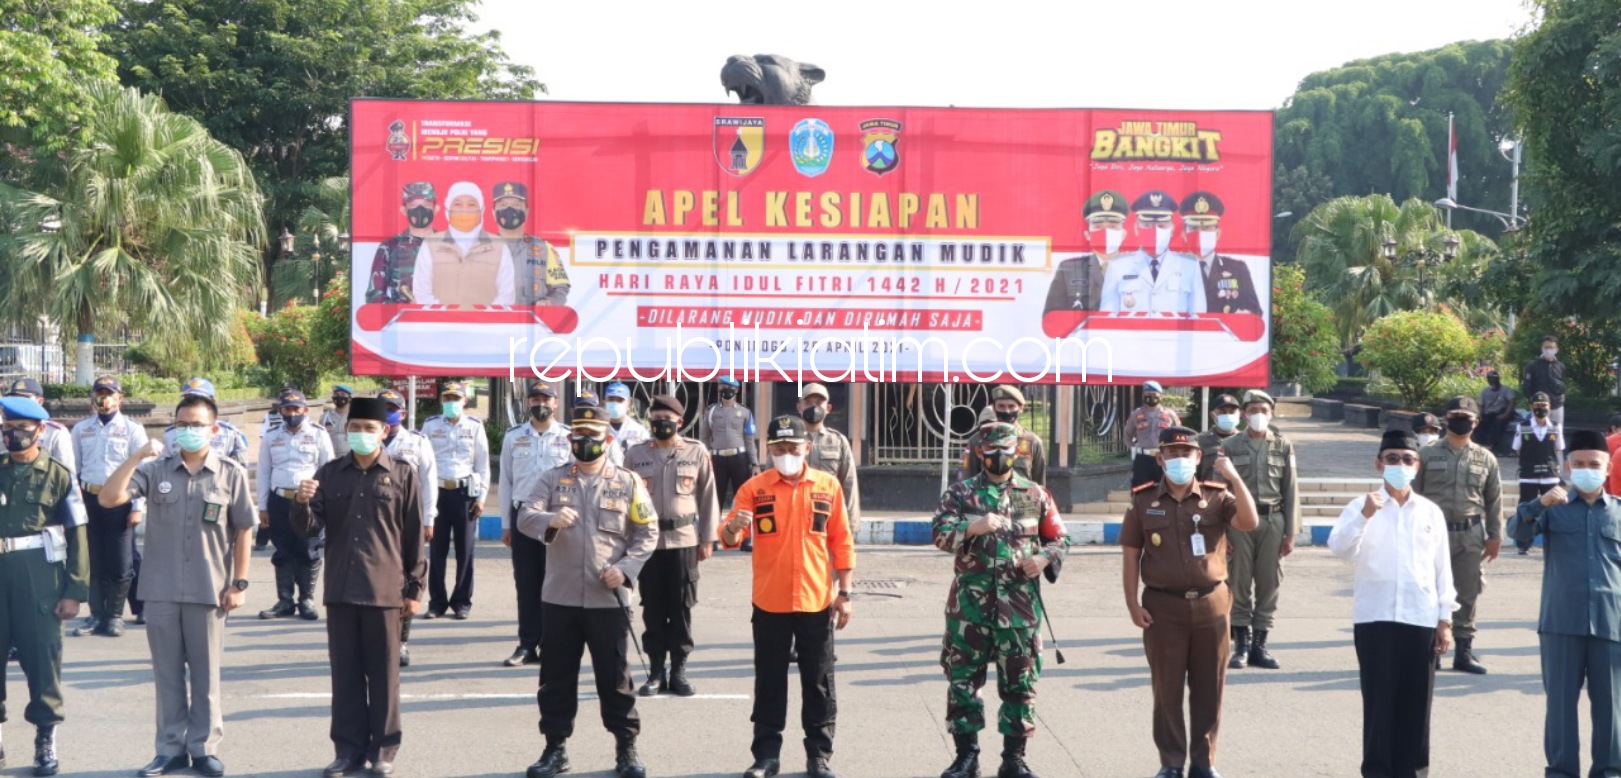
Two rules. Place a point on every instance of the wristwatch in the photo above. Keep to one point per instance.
(845, 593)
(241, 584)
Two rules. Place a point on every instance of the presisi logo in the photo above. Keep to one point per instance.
(437, 145)
(1156, 140)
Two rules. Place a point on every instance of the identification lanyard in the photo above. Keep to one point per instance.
(1198, 537)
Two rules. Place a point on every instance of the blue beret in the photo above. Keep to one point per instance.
(23, 408)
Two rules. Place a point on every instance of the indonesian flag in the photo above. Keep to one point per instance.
(1452, 159)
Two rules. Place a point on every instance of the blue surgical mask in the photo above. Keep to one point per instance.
(1400, 476)
(451, 408)
(364, 443)
(616, 409)
(1586, 479)
(1180, 470)
(1227, 422)
(192, 439)
(395, 417)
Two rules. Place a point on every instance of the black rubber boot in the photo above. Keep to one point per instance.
(678, 684)
(45, 751)
(1013, 765)
(1259, 656)
(967, 763)
(284, 594)
(626, 763)
(1463, 659)
(307, 577)
(655, 679)
(1241, 649)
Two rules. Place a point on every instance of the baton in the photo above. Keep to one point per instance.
(1045, 616)
(630, 626)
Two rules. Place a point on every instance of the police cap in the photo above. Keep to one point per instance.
(25, 386)
(1154, 202)
(588, 414)
(1202, 208)
(453, 389)
(542, 389)
(667, 402)
(510, 189)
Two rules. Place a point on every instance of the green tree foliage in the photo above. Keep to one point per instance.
(1586, 349)
(1565, 91)
(180, 358)
(1415, 350)
(283, 340)
(321, 244)
(152, 224)
(1305, 346)
(274, 77)
(48, 59)
(329, 336)
(1379, 126)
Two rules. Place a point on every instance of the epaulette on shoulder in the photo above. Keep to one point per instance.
(225, 424)
(518, 426)
(431, 418)
(56, 424)
(1141, 487)
(1214, 485)
(474, 419)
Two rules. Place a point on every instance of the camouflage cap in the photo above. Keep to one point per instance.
(417, 190)
(987, 415)
(998, 435)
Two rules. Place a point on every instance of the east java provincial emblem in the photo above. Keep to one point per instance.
(878, 140)
(811, 145)
(398, 142)
(739, 143)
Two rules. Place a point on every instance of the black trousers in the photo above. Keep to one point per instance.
(363, 644)
(774, 634)
(669, 586)
(1145, 469)
(528, 573)
(1397, 663)
(452, 527)
(730, 473)
(112, 560)
(292, 549)
(137, 605)
(569, 632)
(1489, 432)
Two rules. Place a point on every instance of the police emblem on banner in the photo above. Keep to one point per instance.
(398, 143)
(739, 143)
(878, 139)
(811, 145)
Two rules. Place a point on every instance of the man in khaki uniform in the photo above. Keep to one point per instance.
(1462, 477)
(1266, 461)
(1224, 417)
(682, 484)
(1030, 458)
(464, 265)
(828, 450)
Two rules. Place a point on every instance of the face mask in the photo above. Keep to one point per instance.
(106, 404)
(1426, 438)
(1460, 425)
(20, 439)
(540, 412)
(1549, 353)
(394, 418)
(998, 461)
(451, 408)
(1258, 421)
(340, 401)
(1007, 417)
(509, 218)
(1227, 422)
(1112, 238)
(616, 410)
(1152, 399)
(1399, 476)
(1587, 479)
(727, 394)
(192, 439)
(465, 221)
(1207, 243)
(1180, 470)
(813, 414)
(1162, 239)
(588, 449)
(665, 429)
(788, 464)
(1540, 413)
(1495, 382)
(420, 216)
(290, 421)
(364, 443)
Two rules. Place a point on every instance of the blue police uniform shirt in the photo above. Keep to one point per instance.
(1581, 578)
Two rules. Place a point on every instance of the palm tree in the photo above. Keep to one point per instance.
(320, 244)
(150, 224)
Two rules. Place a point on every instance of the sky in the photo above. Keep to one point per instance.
(1178, 54)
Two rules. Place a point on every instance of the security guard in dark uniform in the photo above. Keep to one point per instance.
(393, 269)
(541, 279)
(1029, 460)
(1224, 417)
(1142, 431)
(1227, 284)
(1078, 283)
(44, 567)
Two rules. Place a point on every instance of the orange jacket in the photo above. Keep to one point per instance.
(801, 537)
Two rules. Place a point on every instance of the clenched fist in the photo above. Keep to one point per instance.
(153, 448)
(1373, 503)
(306, 491)
(1553, 497)
(740, 521)
(990, 522)
(564, 518)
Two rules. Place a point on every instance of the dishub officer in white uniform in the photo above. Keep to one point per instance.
(289, 454)
(464, 477)
(1154, 279)
(100, 444)
(408, 445)
(528, 450)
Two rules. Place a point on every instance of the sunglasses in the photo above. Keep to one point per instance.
(1399, 459)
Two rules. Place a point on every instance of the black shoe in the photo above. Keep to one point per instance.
(306, 610)
(793, 656)
(553, 761)
(382, 768)
(90, 626)
(461, 614)
(434, 614)
(763, 768)
(163, 765)
(521, 656)
(1169, 772)
(1013, 765)
(1525, 552)
(1463, 660)
(405, 655)
(817, 767)
(966, 764)
(140, 619)
(1259, 656)
(1203, 772)
(1241, 649)
(343, 767)
(626, 763)
(210, 766)
(678, 685)
(655, 685)
(281, 610)
(112, 628)
(45, 751)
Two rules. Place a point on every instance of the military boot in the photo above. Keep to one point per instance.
(284, 594)
(1241, 649)
(307, 576)
(966, 764)
(1464, 659)
(1259, 656)
(626, 763)
(112, 622)
(678, 678)
(553, 761)
(655, 679)
(1013, 765)
(45, 751)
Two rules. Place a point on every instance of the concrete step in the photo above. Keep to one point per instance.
(1114, 507)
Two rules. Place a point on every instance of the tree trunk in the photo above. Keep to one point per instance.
(84, 372)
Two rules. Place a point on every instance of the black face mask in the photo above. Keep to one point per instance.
(727, 394)
(1460, 425)
(998, 462)
(1540, 413)
(291, 422)
(588, 449)
(1153, 400)
(420, 216)
(340, 401)
(20, 439)
(813, 414)
(540, 412)
(1007, 417)
(510, 218)
(1495, 382)
(664, 429)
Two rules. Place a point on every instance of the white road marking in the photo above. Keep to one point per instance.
(328, 696)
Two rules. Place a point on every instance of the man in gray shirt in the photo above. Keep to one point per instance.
(1496, 411)
(200, 513)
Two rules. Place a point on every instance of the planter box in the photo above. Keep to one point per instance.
(1366, 416)
(1327, 410)
(1400, 419)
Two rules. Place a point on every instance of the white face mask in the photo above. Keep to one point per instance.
(1426, 438)
(1207, 243)
(1112, 238)
(1162, 240)
(1549, 353)
(788, 465)
(1258, 421)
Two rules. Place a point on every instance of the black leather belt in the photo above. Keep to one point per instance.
(670, 525)
(1463, 526)
(1269, 509)
(1187, 594)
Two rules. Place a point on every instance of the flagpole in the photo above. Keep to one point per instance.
(1452, 165)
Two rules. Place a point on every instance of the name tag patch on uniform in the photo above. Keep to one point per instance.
(211, 512)
(1155, 512)
(164, 487)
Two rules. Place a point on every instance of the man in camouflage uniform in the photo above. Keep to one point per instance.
(1005, 532)
(540, 279)
(394, 267)
(1030, 456)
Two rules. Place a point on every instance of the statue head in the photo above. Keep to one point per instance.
(769, 79)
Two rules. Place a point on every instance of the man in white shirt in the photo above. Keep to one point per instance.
(1402, 607)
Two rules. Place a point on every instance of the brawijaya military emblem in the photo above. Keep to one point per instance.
(739, 143)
